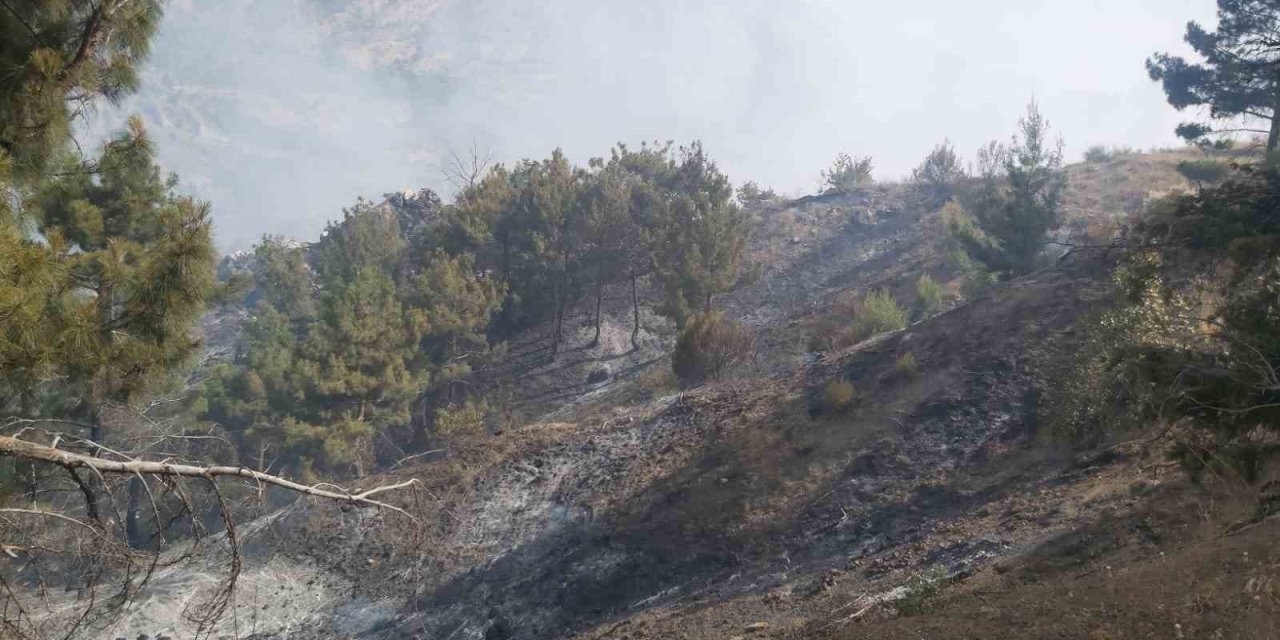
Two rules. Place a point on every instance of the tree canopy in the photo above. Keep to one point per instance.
(1238, 77)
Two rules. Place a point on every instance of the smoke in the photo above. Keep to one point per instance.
(281, 112)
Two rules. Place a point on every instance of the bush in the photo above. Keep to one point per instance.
(936, 177)
(847, 174)
(751, 195)
(837, 396)
(658, 382)
(1203, 172)
(709, 348)
(928, 295)
(878, 313)
(922, 589)
(465, 419)
(905, 366)
(1097, 153)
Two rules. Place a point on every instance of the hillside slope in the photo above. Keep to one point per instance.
(741, 509)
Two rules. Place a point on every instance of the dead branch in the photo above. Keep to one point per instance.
(10, 446)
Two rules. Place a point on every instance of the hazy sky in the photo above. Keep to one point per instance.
(284, 111)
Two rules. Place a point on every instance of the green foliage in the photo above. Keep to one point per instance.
(339, 349)
(1204, 171)
(658, 382)
(1194, 339)
(928, 296)
(103, 268)
(58, 59)
(938, 174)
(549, 228)
(837, 397)
(1236, 78)
(1016, 200)
(905, 366)
(104, 309)
(922, 590)
(709, 347)
(878, 313)
(847, 174)
(1097, 153)
(464, 419)
(751, 195)
(701, 237)
(1101, 153)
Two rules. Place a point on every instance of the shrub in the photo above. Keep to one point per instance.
(1203, 172)
(922, 589)
(1097, 153)
(936, 177)
(928, 295)
(464, 419)
(878, 313)
(847, 174)
(750, 195)
(709, 347)
(905, 366)
(658, 382)
(837, 396)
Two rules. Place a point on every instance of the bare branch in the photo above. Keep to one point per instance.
(10, 446)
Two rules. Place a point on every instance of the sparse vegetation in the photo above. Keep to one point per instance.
(878, 313)
(921, 591)
(837, 397)
(1203, 172)
(751, 195)
(658, 382)
(1101, 153)
(928, 296)
(938, 175)
(905, 366)
(467, 418)
(847, 174)
(1017, 198)
(709, 348)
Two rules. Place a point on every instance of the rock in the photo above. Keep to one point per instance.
(756, 627)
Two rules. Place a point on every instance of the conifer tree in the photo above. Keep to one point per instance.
(126, 271)
(56, 59)
(1239, 77)
(1017, 198)
(703, 236)
(339, 349)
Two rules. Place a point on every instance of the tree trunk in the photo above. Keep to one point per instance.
(133, 516)
(595, 341)
(635, 310)
(1273, 138)
(555, 327)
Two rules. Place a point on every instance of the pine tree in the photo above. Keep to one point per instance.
(345, 336)
(1017, 198)
(126, 271)
(1239, 77)
(56, 59)
(703, 236)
